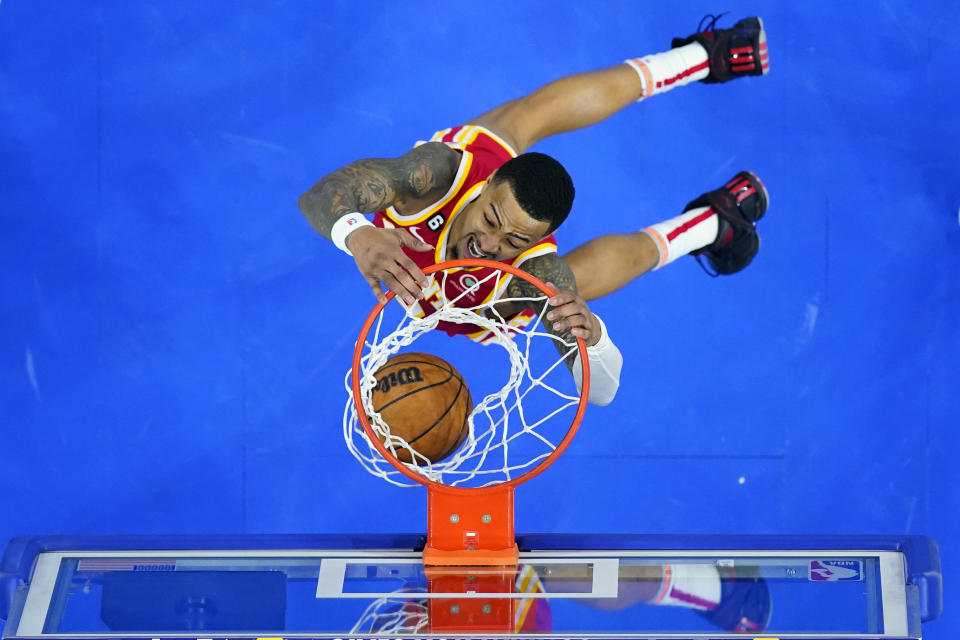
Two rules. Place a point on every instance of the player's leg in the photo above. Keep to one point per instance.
(570, 103)
(636, 583)
(609, 262)
(583, 99)
(719, 225)
(732, 599)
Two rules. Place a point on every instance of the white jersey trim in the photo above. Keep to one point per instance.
(469, 131)
(503, 143)
(440, 254)
(466, 160)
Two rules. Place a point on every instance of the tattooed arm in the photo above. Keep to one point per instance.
(366, 186)
(570, 318)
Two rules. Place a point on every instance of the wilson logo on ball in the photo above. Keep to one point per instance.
(394, 378)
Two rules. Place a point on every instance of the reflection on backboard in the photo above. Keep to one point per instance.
(378, 586)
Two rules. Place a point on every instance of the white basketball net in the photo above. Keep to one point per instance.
(397, 615)
(504, 440)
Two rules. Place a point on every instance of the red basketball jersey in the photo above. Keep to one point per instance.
(530, 615)
(482, 152)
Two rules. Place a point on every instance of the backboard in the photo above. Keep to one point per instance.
(378, 586)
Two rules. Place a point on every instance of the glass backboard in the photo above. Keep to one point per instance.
(377, 586)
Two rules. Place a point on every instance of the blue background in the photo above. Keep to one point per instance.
(174, 335)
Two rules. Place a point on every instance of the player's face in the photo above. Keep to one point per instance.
(494, 226)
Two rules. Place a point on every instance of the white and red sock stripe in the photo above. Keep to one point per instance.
(674, 68)
(694, 586)
(691, 230)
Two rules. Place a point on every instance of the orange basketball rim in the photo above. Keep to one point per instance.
(468, 526)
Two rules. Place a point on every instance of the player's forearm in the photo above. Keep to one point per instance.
(360, 187)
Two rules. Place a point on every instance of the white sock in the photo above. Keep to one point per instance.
(691, 230)
(674, 68)
(695, 586)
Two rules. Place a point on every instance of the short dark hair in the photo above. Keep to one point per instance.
(541, 185)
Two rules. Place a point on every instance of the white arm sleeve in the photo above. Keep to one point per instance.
(605, 364)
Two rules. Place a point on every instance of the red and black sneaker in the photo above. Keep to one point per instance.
(739, 204)
(745, 603)
(738, 51)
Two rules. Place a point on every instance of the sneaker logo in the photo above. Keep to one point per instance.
(836, 570)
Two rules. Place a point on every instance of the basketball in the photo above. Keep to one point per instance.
(425, 401)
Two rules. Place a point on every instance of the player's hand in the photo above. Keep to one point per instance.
(571, 311)
(380, 258)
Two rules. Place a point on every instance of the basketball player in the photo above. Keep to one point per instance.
(732, 598)
(472, 191)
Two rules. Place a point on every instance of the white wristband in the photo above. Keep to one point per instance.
(344, 227)
(606, 362)
(604, 343)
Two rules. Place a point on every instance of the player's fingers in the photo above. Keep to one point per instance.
(560, 297)
(568, 309)
(580, 332)
(394, 285)
(406, 279)
(576, 320)
(552, 287)
(415, 272)
(400, 282)
(377, 291)
(407, 240)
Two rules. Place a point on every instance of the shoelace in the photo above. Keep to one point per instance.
(711, 26)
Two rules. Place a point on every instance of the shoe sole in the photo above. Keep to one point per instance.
(763, 189)
(766, 200)
(762, 49)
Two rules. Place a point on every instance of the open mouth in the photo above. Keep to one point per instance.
(470, 248)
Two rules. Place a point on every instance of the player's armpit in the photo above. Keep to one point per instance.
(366, 186)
